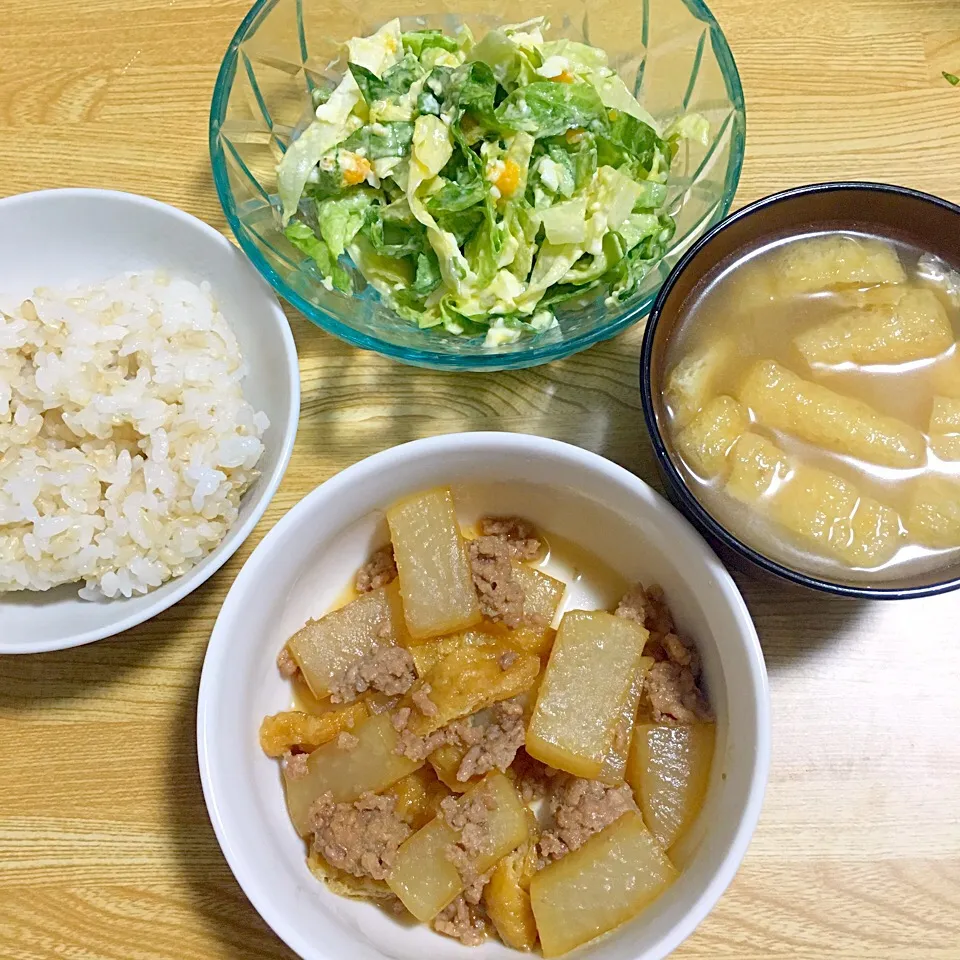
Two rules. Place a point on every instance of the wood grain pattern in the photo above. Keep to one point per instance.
(106, 852)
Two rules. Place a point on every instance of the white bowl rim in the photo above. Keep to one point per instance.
(195, 577)
(218, 648)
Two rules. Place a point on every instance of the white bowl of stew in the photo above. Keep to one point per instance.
(301, 567)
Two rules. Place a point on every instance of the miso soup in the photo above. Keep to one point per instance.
(813, 404)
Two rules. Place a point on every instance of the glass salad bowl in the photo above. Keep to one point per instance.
(671, 53)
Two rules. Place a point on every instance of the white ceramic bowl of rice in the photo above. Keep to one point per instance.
(149, 397)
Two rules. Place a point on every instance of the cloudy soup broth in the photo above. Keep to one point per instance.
(812, 401)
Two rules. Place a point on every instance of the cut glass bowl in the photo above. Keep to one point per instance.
(671, 52)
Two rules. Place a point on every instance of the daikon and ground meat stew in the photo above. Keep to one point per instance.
(467, 750)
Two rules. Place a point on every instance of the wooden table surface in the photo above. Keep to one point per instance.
(105, 846)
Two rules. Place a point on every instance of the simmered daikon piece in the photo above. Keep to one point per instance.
(603, 884)
(816, 506)
(307, 731)
(468, 680)
(593, 678)
(542, 598)
(428, 654)
(708, 438)
(669, 771)
(345, 884)
(507, 898)
(614, 769)
(434, 573)
(781, 400)
(306, 700)
(914, 328)
(418, 797)
(693, 381)
(945, 428)
(933, 518)
(325, 647)
(424, 876)
(835, 260)
(370, 765)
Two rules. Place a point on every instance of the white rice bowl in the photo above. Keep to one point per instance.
(125, 440)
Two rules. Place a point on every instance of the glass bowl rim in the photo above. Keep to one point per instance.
(689, 504)
(440, 358)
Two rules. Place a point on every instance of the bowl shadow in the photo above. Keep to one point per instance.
(37, 682)
(218, 901)
(167, 650)
(793, 622)
(356, 403)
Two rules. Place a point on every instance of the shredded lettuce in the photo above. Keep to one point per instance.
(304, 239)
(478, 185)
(689, 127)
(340, 219)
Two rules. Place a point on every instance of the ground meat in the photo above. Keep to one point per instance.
(520, 536)
(681, 652)
(419, 748)
(499, 741)
(470, 817)
(672, 694)
(401, 718)
(670, 691)
(346, 741)
(501, 597)
(648, 607)
(633, 605)
(551, 847)
(286, 664)
(295, 765)
(378, 571)
(659, 619)
(533, 778)
(387, 668)
(581, 808)
(507, 659)
(421, 700)
(415, 747)
(473, 893)
(502, 540)
(492, 743)
(461, 921)
(473, 809)
(361, 837)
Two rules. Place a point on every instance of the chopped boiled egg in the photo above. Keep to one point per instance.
(354, 167)
(554, 66)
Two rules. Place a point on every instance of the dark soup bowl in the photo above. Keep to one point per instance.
(892, 545)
